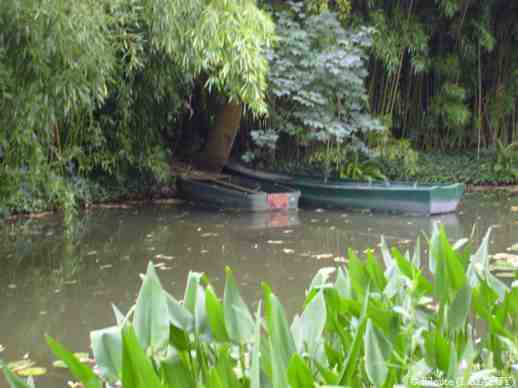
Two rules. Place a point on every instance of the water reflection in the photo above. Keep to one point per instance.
(64, 286)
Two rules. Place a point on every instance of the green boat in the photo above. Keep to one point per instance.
(401, 197)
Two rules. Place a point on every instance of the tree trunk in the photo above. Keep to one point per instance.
(221, 137)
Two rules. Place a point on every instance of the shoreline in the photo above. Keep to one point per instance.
(130, 201)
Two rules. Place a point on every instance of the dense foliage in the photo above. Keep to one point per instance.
(450, 168)
(90, 90)
(373, 326)
(444, 73)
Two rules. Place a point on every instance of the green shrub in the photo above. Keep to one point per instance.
(372, 326)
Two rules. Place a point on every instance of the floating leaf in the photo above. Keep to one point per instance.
(16, 366)
(80, 371)
(33, 372)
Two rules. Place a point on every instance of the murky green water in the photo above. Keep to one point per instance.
(64, 286)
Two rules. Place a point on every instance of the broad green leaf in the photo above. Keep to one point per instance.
(416, 257)
(179, 316)
(358, 274)
(214, 379)
(329, 376)
(375, 272)
(458, 311)
(176, 374)
(79, 371)
(255, 363)
(238, 320)
(281, 340)
(312, 323)
(320, 279)
(179, 339)
(278, 367)
(409, 270)
(377, 352)
(137, 368)
(343, 283)
(225, 367)
(437, 351)
(151, 319)
(299, 374)
(119, 317)
(191, 291)
(352, 363)
(107, 350)
(215, 315)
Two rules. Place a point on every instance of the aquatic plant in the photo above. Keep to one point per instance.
(373, 325)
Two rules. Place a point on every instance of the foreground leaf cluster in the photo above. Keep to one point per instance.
(371, 325)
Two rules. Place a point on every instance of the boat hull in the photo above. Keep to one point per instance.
(392, 197)
(269, 197)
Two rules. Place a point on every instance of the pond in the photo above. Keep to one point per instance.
(64, 285)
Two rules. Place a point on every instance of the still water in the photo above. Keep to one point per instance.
(64, 286)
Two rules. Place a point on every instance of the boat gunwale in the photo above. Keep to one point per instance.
(308, 181)
(214, 185)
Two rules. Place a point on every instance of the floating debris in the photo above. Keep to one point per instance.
(506, 275)
(81, 356)
(199, 229)
(288, 231)
(319, 210)
(164, 257)
(167, 201)
(288, 251)
(514, 248)
(340, 259)
(514, 208)
(210, 235)
(105, 266)
(275, 242)
(91, 253)
(70, 282)
(162, 267)
(505, 262)
(11, 286)
(323, 256)
(2, 348)
(203, 251)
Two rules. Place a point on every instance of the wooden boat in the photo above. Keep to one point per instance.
(385, 196)
(233, 192)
